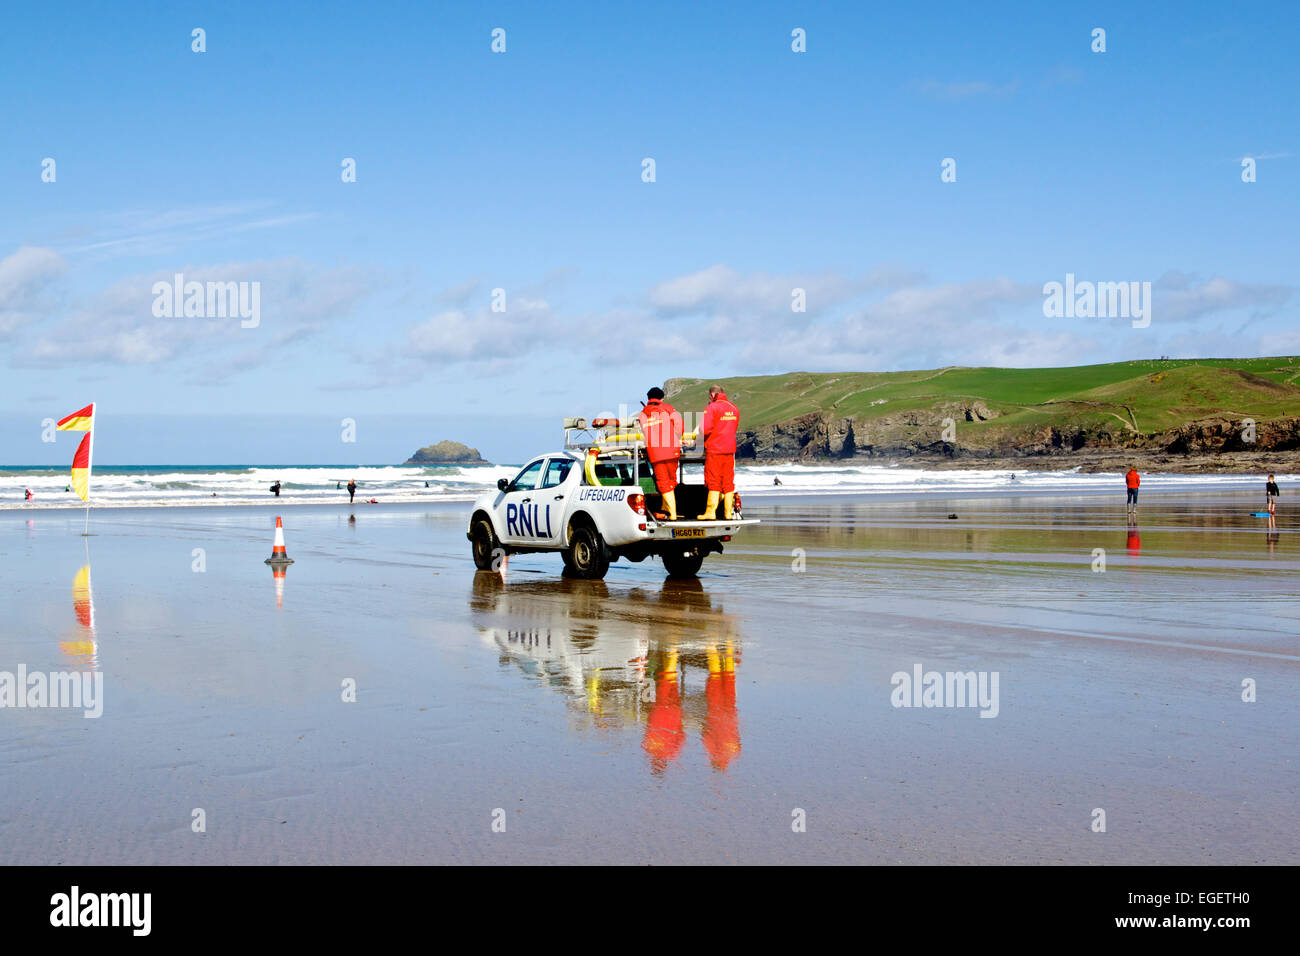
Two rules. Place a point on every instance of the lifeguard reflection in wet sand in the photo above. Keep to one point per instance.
(623, 659)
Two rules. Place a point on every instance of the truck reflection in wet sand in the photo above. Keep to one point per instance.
(659, 659)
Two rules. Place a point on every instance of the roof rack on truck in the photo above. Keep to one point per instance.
(609, 436)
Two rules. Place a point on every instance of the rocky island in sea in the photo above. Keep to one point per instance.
(447, 453)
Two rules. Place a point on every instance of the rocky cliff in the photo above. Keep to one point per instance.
(446, 453)
(920, 435)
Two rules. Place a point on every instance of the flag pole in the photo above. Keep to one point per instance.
(90, 465)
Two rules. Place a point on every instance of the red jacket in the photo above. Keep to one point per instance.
(1132, 479)
(661, 424)
(719, 426)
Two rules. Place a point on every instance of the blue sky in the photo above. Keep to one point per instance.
(522, 171)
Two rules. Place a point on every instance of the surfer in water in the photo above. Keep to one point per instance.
(1270, 494)
(275, 489)
(28, 496)
(352, 489)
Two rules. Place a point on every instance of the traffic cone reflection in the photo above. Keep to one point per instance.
(278, 572)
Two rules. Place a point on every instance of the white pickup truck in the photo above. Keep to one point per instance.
(595, 502)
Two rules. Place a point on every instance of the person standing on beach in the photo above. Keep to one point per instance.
(662, 428)
(1131, 481)
(352, 489)
(1270, 495)
(721, 419)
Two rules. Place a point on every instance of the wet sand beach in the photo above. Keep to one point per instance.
(644, 721)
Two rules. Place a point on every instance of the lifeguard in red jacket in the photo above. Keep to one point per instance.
(661, 426)
(719, 430)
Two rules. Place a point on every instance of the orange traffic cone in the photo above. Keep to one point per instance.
(278, 554)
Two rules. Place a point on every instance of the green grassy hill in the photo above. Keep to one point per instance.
(1124, 404)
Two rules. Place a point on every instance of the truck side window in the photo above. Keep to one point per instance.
(526, 480)
(557, 470)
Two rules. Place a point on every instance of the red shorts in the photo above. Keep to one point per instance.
(720, 473)
(665, 475)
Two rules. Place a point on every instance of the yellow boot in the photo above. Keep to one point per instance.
(670, 504)
(727, 501)
(711, 509)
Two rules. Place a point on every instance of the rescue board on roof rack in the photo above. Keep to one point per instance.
(594, 502)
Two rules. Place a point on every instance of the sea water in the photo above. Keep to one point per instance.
(162, 485)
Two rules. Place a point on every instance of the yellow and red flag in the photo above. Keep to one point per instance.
(82, 421)
(81, 470)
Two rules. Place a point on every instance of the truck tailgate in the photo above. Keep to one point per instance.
(694, 528)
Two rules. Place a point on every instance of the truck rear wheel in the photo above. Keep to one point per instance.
(486, 547)
(682, 564)
(586, 557)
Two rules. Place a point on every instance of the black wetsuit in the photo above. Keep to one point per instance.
(352, 491)
(275, 488)
(1270, 489)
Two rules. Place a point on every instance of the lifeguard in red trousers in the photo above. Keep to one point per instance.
(662, 427)
(719, 430)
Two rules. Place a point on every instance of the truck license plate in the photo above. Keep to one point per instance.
(688, 532)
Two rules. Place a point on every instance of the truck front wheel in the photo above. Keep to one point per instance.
(586, 557)
(682, 564)
(486, 548)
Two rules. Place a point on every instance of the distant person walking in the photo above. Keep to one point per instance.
(1270, 494)
(275, 489)
(28, 495)
(718, 427)
(1131, 481)
(776, 479)
(352, 489)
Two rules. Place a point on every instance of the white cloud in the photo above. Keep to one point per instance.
(721, 290)
(25, 276)
(117, 324)
(1179, 297)
(484, 335)
(153, 232)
